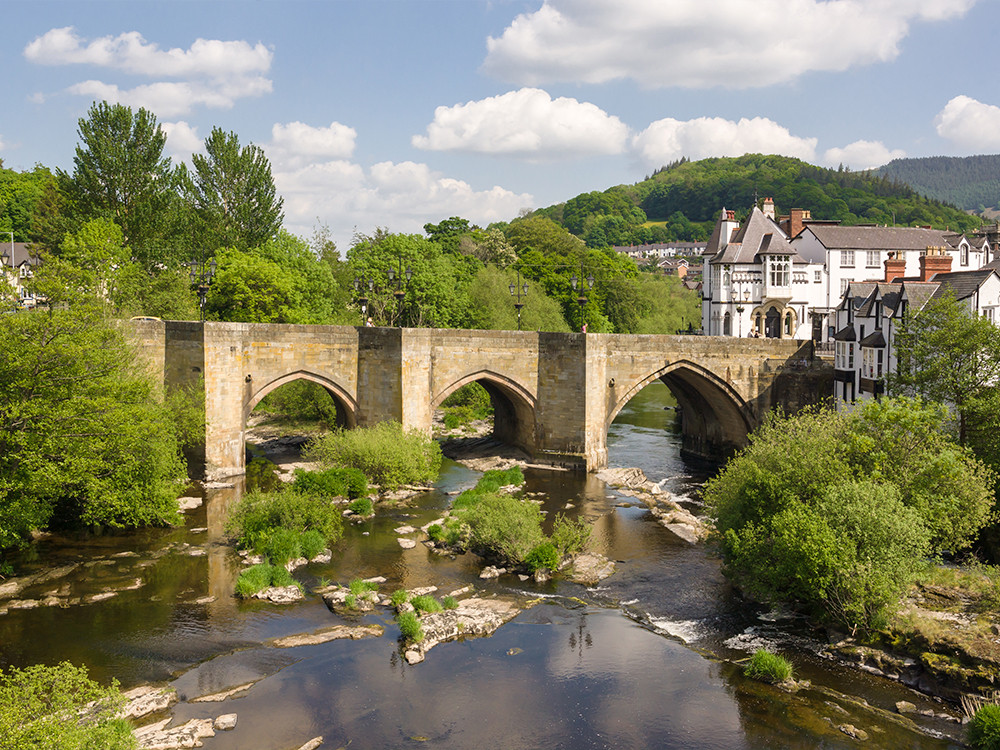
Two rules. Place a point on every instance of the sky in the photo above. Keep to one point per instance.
(395, 113)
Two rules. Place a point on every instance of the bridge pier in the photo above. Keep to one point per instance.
(556, 394)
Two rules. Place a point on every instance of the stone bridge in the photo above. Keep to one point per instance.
(554, 394)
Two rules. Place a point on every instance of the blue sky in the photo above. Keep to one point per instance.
(394, 113)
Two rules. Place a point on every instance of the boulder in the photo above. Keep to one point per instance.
(406, 543)
(333, 633)
(492, 572)
(590, 568)
(225, 722)
(158, 737)
(474, 617)
(146, 700)
(312, 744)
(280, 594)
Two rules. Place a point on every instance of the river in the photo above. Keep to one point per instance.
(646, 659)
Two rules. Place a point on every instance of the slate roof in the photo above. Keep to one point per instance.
(962, 284)
(880, 238)
(21, 254)
(758, 235)
(875, 339)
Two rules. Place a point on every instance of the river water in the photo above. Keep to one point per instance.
(646, 659)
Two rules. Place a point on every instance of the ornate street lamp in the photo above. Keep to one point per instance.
(400, 291)
(202, 273)
(361, 290)
(516, 291)
(582, 299)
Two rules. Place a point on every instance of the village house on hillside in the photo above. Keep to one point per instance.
(18, 266)
(870, 312)
(662, 250)
(785, 277)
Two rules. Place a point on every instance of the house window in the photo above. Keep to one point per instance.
(964, 255)
(844, 283)
(878, 363)
(850, 356)
(868, 363)
(727, 325)
(779, 274)
(847, 259)
(878, 315)
(988, 313)
(818, 277)
(872, 259)
(788, 324)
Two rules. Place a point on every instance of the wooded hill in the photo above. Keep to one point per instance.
(970, 182)
(681, 201)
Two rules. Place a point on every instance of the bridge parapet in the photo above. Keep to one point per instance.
(555, 394)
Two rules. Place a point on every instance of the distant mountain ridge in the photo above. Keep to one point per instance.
(969, 182)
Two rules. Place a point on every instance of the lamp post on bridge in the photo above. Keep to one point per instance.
(582, 299)
(202, 273)
(400, 292)
(362, 289)
(516, 291)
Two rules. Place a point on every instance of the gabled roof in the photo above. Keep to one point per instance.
(879, 238)
(962, 284)
(758, 235)
(21, 254)
(846, 334)
(875, 339)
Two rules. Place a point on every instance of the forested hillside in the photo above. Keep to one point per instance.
(680, 201)
(970, 182)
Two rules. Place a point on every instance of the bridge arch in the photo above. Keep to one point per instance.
(715, 418)
(347, 407)
(514, 406)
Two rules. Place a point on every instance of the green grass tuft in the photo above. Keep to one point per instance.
(768, 667)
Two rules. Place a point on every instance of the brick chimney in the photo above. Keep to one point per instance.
(768, 208)
(895, 267)
(936, 260)
(796, 221)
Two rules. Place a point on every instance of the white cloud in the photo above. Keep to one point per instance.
(862, 155)
(132, 53)
(182, 139)
(691, 43)
(298, 142)
(173, 98)
(970, 124)
(527, 122)
(669, 139)
(400, 196)
(212, 73)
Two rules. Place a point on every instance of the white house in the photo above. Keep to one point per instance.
(852, 254)
(755, 283)
(870, 312)
(18, 266)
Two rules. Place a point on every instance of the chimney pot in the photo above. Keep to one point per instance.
(895, 267)
(936, 260)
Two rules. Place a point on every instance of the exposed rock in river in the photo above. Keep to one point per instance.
(676, 519)
(333, 633)
(474, 617)
(158, 737)
(590, 568)
(146, 700)
(280, 594)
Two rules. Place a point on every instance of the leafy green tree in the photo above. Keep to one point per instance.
(944, 353)
(834, 512)
(120, 173)
(492, 306)
(60, 708)
(233, 193)
(84, 440)
(248, 288)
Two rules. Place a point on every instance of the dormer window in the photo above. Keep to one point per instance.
(964, 255)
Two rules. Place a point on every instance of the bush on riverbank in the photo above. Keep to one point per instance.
(284, 525)
(505, 527)
(410, 627)
(337, 482)
(36, 701)
(984, 728)
(768, 667)
(835, 512)
(385, 453)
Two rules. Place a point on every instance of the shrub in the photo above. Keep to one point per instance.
(458, 416)
(311, 543)
(467, 499)
(501, 477)
(337, 482)
(36, 701)
(385, 453)
(449, 602)
(426, 603)
(570, 537)
(768, 667)
(259, 577)
(257, 514)
(984, 728)
(351, 601)
(399, 597)
(410, 627)
(281, 545)
(505, 527)
(362, 506)
(544, 555)
(472, 397)
(359, 587)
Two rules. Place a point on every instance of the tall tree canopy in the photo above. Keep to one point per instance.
(120, 173)
(233, 193)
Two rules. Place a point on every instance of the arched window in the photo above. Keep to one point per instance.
(772, 324)
(757, 324)
(727, 325)
(788, 323)
(725, 279)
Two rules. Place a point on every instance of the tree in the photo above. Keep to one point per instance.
(84, 439)
(492, 306)
(944, 353)
(233, 193)
(120, 173)
(834, 512)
